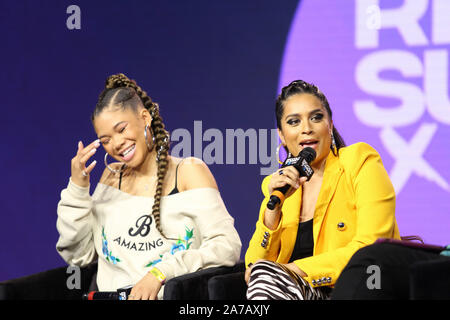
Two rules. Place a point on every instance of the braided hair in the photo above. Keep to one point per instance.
(124, 93)
(299, 87)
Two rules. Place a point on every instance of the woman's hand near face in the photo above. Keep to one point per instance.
(79, 171)
(146, 289)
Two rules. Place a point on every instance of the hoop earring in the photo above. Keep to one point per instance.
(150, 148)
(111, 169)
(333, 142)
(278, 154)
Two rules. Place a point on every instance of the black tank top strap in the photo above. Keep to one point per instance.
(175, 189)
(121, 174)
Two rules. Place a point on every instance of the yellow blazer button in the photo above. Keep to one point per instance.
(341, 226)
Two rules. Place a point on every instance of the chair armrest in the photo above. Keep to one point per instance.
(194, 286)
(47, 285)
(228, 287)
(430, 279)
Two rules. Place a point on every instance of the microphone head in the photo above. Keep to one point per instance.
(309, 154)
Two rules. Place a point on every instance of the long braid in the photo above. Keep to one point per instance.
(161, 139)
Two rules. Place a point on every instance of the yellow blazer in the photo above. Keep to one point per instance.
(355, 207)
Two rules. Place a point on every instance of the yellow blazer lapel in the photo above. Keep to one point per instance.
(331, 175)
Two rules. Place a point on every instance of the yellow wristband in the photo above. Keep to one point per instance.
(158, 274)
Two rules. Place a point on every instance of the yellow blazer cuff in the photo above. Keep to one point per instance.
(265, 243)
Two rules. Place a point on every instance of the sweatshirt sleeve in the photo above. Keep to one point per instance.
(220, 242)
(74, 224)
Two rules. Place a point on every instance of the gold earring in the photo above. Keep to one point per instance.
(278, 154)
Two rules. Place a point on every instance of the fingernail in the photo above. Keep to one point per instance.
(297, 186)
(93, 150)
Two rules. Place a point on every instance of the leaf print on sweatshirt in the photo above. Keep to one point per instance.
(106, 252)
(180, 245)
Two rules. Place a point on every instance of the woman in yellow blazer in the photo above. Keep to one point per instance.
(349, 202)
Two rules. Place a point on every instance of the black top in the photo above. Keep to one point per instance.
(304, 245)
(174, 190)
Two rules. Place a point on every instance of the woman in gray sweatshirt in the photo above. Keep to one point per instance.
(152, 216)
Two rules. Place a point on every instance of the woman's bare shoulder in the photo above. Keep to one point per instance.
(194, 173)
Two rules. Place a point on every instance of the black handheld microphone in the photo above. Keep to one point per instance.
(120, 294)
(103, 295)
(301, 163)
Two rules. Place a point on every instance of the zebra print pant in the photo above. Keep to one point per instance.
(273, 281)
